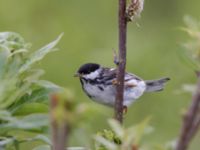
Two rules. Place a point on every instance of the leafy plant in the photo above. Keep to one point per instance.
(23, 101)
(191, 53)
(119, 138)
(131, 138)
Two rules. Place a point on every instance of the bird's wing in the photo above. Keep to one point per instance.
(130, 76)
(109, 76)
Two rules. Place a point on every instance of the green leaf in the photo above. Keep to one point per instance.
(42, 147)
(48, 85)
(191, 23)
(47, 147)
(5, 141)
(186, 58)
(29, 122)
(30, 108)
(76, 148)
(33, 75)
(38, 55)
(12, 37)
(4, 54)
(109, 145)
(39, 137)
(43, 138)
(18, 52)
(141, 129)
(38, 95)
(116, 127)
(5, 115)
(16, 94)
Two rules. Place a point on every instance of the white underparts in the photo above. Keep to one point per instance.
(105, 94)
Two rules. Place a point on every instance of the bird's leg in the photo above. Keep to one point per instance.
(125, 110)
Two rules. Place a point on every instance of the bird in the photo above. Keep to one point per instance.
(99, 84)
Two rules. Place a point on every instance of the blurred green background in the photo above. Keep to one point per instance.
(91, 32)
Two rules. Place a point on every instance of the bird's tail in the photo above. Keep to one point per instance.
(155, 85)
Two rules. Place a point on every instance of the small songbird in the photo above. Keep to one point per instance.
(99, 83)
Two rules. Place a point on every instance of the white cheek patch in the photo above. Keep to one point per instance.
(92, 75)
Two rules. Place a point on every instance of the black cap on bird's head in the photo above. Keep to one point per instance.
(87, 69)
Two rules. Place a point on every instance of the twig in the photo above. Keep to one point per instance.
(122, 61)
(191, 120)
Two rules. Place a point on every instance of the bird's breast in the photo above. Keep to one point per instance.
(100, 93)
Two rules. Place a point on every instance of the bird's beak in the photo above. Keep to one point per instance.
(77, 75)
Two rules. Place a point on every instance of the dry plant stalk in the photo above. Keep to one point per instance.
(59, 129)
(191, 120)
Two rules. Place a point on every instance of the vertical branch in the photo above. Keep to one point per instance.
(122, 61)
(191, 120)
